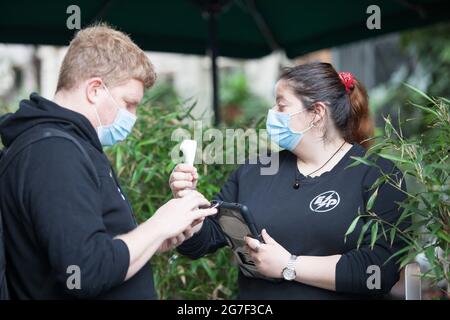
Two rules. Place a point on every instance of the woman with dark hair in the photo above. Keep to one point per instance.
(321, 119)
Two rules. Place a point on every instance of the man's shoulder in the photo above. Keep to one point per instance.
(58, 144)
(53, 149)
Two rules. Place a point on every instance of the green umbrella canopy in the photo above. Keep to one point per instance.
(245, 29)
(232, 28)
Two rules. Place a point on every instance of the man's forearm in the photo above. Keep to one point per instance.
(142, 242)
(317, 271)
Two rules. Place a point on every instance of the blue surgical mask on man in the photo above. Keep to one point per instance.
(121, 127)
(279, 130)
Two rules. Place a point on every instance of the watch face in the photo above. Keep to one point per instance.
(288, 274)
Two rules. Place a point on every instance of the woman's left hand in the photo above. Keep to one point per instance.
(270, 257)
(172, 243)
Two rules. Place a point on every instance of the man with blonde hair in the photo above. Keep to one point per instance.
(70, 231)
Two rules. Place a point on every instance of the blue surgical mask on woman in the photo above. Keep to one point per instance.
(279, 130)
(119, 129)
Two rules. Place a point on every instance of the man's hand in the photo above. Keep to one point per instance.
(178, 215)
(169, 221)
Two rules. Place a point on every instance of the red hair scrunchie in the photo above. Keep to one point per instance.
(348, 80)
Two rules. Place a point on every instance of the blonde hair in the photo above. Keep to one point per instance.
(101, 51)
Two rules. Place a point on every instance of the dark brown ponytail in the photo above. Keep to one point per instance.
(361, 126)
(348, 105)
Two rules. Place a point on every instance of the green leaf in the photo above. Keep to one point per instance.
(406, 260)
(363, 232)
(393, 158)
(419, 92)
(399, 253)
(392, 233)
(371, 200)
(119, 158)
(444, 236)
(360, 160)
(429, 254)
(426, 109)
(351, 228)
(373, 234)
(388, 126)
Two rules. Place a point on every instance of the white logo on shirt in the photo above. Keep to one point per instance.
(325, 201)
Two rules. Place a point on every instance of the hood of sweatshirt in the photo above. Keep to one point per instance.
(39, 111)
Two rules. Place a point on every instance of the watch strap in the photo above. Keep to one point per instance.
(291, 262)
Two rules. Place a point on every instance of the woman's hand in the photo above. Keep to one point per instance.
(270, 258)
(183, 180)
(172, 243)
(183, 177)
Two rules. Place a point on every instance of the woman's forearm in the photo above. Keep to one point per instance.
(317, 271)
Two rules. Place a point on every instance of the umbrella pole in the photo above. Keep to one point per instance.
(213, 51)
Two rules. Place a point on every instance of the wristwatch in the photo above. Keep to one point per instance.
(289, 272)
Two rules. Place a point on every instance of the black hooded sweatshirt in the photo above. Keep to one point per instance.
(62, 214)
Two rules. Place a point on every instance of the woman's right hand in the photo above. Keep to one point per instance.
(184, 177)
(178, 215)
(182, 181)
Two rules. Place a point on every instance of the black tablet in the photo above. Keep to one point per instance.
(237, 222)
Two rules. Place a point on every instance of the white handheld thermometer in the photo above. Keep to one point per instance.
(188, 147)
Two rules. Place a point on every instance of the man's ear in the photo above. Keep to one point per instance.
(93, 87)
